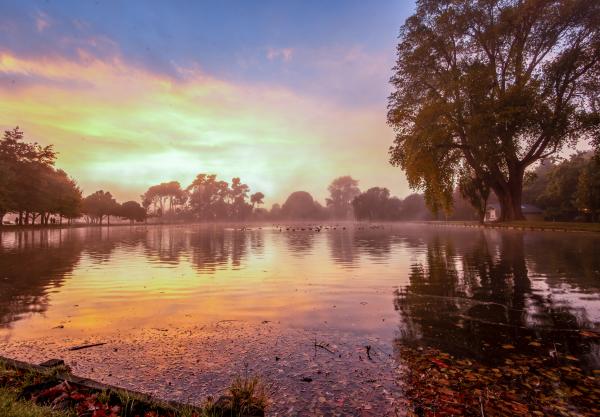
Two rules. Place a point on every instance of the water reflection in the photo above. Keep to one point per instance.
(215, 248)
(300, 242)
(32, 264)
(462, 290)
(471, 296)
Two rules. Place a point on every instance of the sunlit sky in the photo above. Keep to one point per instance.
(286, 95)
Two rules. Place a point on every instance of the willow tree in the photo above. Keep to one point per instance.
(492, 86)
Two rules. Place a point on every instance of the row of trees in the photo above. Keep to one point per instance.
(209, 199)
(206, 199)
(347, 202)
(37, 192)
(102, 205)
(30, 185)
(377, 204)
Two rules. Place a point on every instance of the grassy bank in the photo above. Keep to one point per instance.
(10, 406)
(33, 391)
(526, 225)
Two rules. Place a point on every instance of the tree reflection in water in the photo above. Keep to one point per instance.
(472, 296)
(31, 263)
(461, 290)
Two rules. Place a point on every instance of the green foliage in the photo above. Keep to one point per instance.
(247, 396)
(495, 85)
(568, 190)
(587, 195)
(29, 183)
(474, 190)
(11, 407)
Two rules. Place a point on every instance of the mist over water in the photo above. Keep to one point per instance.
(388, 280)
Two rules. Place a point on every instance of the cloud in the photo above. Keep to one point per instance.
(42, 21)
(123, 127)
(281, 54)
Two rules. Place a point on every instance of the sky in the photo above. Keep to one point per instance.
(287, 95)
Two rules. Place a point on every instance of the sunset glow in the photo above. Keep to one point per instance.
(121, 124)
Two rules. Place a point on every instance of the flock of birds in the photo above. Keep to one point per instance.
(316, 228)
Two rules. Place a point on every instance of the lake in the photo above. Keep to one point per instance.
(183, 309)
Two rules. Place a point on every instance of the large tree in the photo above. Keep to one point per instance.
(208, 197)
(342, 191)
(98, 205)
(492, 85)
(376, 204)
(164, 197)
(132, 211)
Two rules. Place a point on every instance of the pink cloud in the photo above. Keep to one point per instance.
(284, 54)
(42, 21)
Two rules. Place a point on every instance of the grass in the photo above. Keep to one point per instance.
(567, 226)
(11, 407)
(532, 224)
(245, 397)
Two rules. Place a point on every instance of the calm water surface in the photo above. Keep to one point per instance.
(182, 308)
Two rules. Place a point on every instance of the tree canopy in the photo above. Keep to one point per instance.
(492, 85)
(342, 191)
(30, 185)
(568, 190)
(300, 205)
(167, 196)
(98, 205)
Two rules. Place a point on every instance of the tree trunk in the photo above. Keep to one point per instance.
(510, 202)
(509, 193)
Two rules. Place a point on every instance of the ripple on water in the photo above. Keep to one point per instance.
(186, 304)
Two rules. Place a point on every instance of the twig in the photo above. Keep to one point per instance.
(481, 405)
(368, 349)
(322, 346)
(86, 346)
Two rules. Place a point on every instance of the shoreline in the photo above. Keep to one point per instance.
(527, 226)
(524, 225)
(52, 387)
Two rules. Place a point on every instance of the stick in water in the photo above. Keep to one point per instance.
(86, 346)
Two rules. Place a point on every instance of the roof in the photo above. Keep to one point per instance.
(525, 208)
(530, 209)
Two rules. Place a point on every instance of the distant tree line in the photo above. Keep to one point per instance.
(37, 192)
(206, 199)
